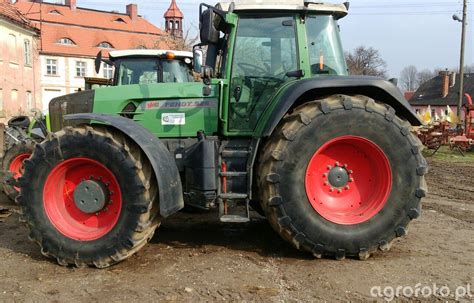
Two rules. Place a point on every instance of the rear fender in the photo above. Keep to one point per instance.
(166, 172)
(309, 89)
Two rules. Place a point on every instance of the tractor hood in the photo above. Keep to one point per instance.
(81, 102)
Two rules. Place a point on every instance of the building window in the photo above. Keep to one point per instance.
(108, 71)
(105, 45)
(51, 67)
(14, 97)
(66, 41)
(81, 69)
(12, 47)
(29, 101)
(27, 52)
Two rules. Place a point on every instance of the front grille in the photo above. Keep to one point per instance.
(81, 102)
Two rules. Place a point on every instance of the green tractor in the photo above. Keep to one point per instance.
(276, 124)
(135, 66)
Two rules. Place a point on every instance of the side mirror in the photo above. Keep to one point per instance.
(98, 62)
(197, 60)
(211, 22)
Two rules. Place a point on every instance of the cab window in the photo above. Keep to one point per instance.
(265, 50)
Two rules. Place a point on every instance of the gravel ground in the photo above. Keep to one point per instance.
(195, 258)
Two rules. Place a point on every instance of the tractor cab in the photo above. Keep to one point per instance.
(143, 66)
(259, 50)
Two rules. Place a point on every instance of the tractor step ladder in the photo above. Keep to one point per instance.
(233, 193)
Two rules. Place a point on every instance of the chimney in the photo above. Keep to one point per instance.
(71, 4)
(452, 79)
(132, 11)
(444, 83)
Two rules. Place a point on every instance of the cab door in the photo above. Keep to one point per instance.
(265, 50)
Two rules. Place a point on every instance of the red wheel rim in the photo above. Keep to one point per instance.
(16, 166)
(59, 205)
(369, 180)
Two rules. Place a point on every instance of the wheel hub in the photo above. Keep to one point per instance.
(338, 177)
(91, 196)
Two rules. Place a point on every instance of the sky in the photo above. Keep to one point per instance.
(417, 32)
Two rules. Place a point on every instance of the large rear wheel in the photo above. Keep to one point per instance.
(342, 177)
(88, 197)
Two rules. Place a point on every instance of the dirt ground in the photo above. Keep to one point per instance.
(196, 258)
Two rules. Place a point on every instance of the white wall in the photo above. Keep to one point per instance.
(66, 81)
(17, 77)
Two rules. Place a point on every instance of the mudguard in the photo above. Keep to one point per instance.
(373, 87)
(166, 172)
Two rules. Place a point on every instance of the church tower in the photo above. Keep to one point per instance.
(174, 20)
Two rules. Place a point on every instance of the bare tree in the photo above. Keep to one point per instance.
(408, 78)
(366, 61)
(424, 76)
(469, 69)
(184, 43)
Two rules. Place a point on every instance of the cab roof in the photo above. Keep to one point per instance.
(148, 53)
(338, 10)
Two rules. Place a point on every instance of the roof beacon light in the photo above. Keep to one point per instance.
(170, 55)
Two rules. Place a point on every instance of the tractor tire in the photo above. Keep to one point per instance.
(13, 162)
(89, 197)
(342, 177)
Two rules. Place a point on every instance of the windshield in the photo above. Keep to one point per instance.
(146, 71)
(176, 71)
(325, 48)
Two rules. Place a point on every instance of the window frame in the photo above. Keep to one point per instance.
(231, 64)
(66, 41)
(29, 100)
(81, 69)
(27, 54)
(52, 66)
(106, 69)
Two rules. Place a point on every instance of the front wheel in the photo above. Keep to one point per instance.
(13, 163)
(342, 177)
(88, 197)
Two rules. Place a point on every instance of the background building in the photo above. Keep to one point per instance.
(174, 20)
(441, 91)
(72, 36)
(19, 66)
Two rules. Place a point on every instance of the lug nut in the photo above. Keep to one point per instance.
(326, 183)
(331, 189)
(351, 179)
(347, 187)
(338, 164)
(345, 165)
(339, 191)
(325, 175)
(329, 167)
(350, 171)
